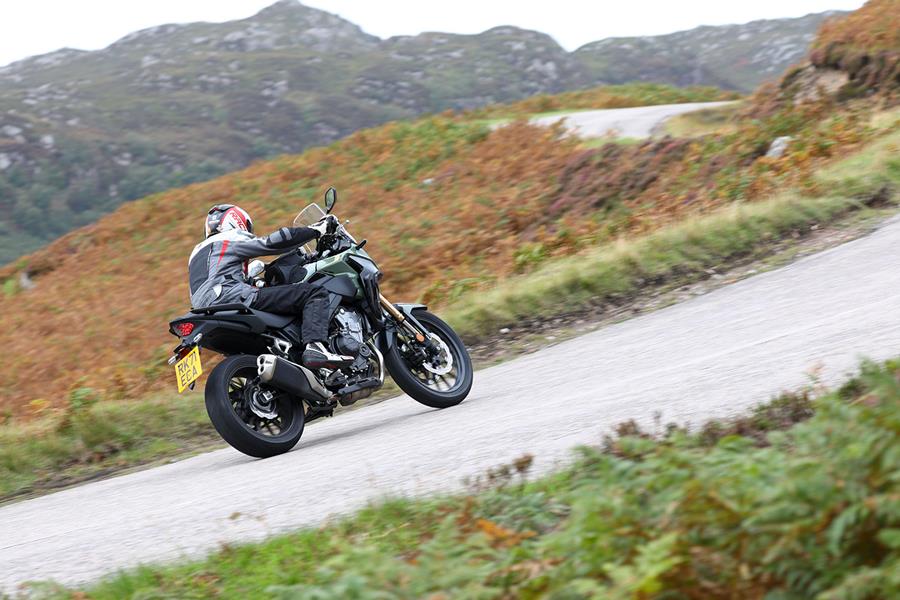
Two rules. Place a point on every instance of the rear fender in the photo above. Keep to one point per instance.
(220, 333)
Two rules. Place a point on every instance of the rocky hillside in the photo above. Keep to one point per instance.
(738, 57)
(854, 58)
(82, 132)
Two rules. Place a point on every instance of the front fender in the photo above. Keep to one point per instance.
(387, 338)
(408, 308)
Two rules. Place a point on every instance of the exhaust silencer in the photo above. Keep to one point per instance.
(291, 378)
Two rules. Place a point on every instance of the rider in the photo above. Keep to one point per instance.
(217, 270)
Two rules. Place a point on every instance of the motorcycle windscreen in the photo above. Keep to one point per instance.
(309, 215)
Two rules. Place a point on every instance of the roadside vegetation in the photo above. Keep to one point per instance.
(614, 272)
(517, 222)
(865, 46)
(797, 499)
(720, 119)
(90, 438)
(610, 96)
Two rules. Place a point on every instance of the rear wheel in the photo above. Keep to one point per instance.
(440, 377)
(253, 418)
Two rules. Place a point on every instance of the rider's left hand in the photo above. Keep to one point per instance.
(321, 227)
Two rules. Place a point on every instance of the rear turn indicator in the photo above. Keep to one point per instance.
(184, 329)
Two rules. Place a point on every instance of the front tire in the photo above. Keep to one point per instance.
(423, 382)
(234, 397)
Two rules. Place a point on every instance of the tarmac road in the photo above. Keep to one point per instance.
(712, 355)
(635, 122)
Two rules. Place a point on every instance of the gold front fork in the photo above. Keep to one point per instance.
(400, 318)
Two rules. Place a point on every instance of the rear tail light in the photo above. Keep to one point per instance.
(184, 329)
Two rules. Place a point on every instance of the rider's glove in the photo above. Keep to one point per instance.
(320, 227)
(327, 224)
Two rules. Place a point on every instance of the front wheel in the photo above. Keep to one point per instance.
(438, 375)
(255, 419)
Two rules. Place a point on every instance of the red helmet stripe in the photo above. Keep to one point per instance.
(238, 215)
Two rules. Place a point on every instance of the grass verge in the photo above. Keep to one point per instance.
(91, 438)
(798, 499)
(615, 272)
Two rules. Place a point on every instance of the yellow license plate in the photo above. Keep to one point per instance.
(188, 369)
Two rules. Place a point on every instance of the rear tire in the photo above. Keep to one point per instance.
(414, 381)
(226, 405)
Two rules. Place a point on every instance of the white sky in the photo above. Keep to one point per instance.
(29, 27)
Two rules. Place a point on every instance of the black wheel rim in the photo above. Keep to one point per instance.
(443, 383)
(244, 389)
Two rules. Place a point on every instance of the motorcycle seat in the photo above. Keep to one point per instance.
(273, 320)
(210, 310)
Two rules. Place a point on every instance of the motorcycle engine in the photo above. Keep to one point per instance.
(348, 337)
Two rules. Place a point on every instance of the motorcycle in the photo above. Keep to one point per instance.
(259, 397)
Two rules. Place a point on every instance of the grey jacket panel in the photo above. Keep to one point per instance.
(217, 265)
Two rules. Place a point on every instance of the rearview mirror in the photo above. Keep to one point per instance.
(330, 199)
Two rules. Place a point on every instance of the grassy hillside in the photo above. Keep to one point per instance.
(102, 295)
(796, 500)
(872, 29)
(92, 432)
(450, 209)
(865, 46)
(853, 57)
(83, 132)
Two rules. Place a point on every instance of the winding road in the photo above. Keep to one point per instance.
(634, 122)
(711, 355)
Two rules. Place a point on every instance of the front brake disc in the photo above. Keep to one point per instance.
(447, 365)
